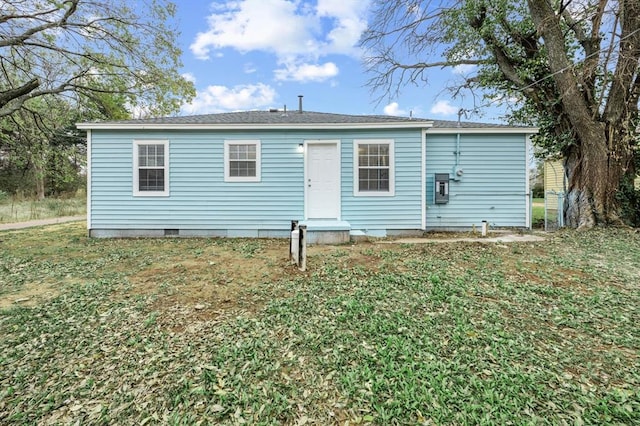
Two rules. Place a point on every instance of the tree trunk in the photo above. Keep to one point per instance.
(601, 153)
(577, 208)
(39, 180)
(594, 179)
(38, 161)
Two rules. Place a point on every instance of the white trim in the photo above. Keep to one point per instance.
(527, 190)
(335, 142)
(136, 175)
(257, 126)
(257, 177)
(356, 171)
(423, 180)
(305, 177)
(89, 171)
(483, 130)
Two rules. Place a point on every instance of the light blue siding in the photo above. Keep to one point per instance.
(201, 203)
(492, 188)
(403, 210)
(200, 199)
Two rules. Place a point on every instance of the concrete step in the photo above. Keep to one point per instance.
(327, 231)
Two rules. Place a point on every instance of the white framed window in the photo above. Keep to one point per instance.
(150, 168)
(242, 161)
(373, 164)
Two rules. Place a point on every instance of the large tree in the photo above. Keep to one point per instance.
(89, 48)
(572, 66)
(41, 151)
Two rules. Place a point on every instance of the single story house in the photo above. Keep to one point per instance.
(249, 174)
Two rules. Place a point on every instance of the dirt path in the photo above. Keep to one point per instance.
(41, 222)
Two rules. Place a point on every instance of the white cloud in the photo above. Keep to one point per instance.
(443, 108)
(189, 77)
(307, 72)
(290, 29)
(221, 98)
(464, 69)
(394, 109)
(341, 8)
(349, 23)
(271, 25)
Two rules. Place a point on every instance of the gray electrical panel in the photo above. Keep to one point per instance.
(442, 188)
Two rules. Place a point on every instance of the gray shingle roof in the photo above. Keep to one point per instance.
(272, 117)
(294, 117)
(451, 124)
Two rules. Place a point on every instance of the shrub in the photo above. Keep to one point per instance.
(538, 191)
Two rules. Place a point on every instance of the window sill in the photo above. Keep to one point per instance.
(374, 194)
(150, 194)
(252, 179)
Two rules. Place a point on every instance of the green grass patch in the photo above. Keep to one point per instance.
(455, 333)
(537, 214)
(15, 209)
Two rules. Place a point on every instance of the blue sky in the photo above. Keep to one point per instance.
(260, 54)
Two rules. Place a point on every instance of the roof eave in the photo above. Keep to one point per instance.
(242, 126)
(486, 130)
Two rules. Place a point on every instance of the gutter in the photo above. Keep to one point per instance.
(265, 126)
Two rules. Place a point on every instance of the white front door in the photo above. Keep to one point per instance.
(323, 180)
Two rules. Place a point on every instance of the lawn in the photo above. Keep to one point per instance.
(537, 219)
(17, 209)
(181, 331)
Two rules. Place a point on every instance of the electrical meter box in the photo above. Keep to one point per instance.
(442, 188)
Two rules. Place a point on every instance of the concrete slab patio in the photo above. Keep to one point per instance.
(505, 238)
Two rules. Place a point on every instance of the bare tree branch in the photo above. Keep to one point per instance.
(18, 39)
(84, 45)
(18, 92)
(627, 66)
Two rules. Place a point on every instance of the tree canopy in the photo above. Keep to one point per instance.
(570, 67)
(89, 48)
(78, 60)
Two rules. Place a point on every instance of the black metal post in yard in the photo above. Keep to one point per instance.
(302, 248)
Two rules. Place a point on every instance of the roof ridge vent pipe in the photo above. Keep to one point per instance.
(284, 113)
(300, 103)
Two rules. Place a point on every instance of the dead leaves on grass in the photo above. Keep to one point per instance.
(188, 331)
